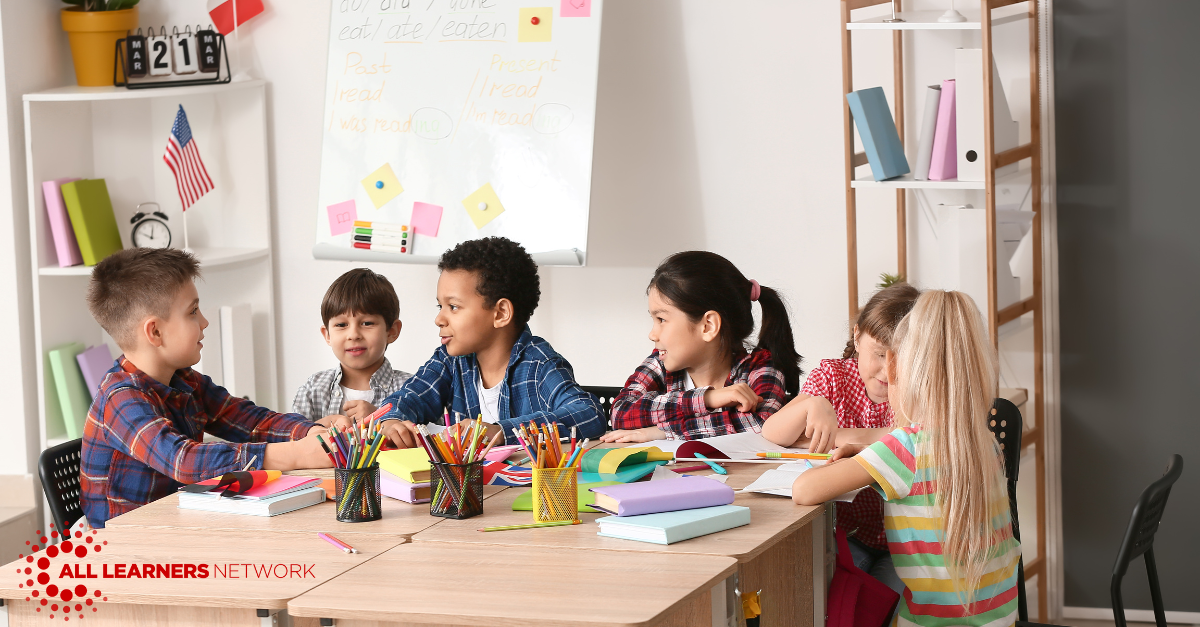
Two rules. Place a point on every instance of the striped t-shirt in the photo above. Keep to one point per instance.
(908, 483)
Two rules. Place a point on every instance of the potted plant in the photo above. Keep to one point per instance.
(94, 26)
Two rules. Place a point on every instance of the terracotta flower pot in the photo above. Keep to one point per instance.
(94, 36)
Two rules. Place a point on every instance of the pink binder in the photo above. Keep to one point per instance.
(65, 245)
(944, 162)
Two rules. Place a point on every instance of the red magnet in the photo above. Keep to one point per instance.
(535, 20)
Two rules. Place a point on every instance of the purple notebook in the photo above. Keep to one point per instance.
(394, 487)
(94, 362)
(60, 225)
(666, 495)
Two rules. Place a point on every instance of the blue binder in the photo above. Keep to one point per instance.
(878, 132)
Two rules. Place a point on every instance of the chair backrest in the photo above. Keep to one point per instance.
(1147, 513)
(1005, 423)
(58, 468)
(606, 395)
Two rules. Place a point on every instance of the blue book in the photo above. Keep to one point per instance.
(671, 527)
(878, 133)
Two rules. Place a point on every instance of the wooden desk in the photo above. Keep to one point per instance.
(215, 600)
(778, 552)
(462, 584)
(400, 519)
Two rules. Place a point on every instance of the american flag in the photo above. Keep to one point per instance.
(183, 157)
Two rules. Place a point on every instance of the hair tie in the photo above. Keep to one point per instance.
(755, 290)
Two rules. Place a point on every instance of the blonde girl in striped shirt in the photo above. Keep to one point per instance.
(946, 514)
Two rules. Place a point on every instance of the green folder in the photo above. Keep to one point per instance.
(92, 219)
(55, 428)
(73, 395)
(524, 502)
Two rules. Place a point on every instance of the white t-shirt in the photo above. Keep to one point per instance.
(687, 381)
(356, 395)
(489, 400)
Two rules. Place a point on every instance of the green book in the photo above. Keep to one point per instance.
(92, 219)
(524, 502)
(73, 397)
(54, 419)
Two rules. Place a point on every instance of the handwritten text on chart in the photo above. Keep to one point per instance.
(438, 20)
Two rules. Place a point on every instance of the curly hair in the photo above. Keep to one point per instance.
(502, 269)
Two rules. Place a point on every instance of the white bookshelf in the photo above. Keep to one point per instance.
(120, 135)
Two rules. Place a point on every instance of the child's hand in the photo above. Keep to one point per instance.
(630, 436)
(357, 410)
(336, 420)
(846, 451)
(402, 433)
(822, 427)
(738, 395)
(309, 453)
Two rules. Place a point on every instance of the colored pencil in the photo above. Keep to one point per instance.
(560, 523)
(774, 455)
(341, 546)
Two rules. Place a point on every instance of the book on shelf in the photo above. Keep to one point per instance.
(667, 495)
(73, 397)
(877, 129)
(672, 527)
(969, 117)
(94, 363)
(237, 350)
(65, 247)
(933, 98)
(92, 219)
(943, 163)
(269, 506)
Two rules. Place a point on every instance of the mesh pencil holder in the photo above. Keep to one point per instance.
(358, 496)
(456, 490)
(555, 495)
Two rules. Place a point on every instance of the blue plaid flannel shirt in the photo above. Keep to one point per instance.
(539, 384)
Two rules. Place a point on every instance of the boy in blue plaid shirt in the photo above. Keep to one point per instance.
(490, 364)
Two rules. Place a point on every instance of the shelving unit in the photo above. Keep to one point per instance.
(120, 135)
(1033, 438)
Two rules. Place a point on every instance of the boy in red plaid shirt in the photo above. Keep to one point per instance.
(143, 437)
(846, 401)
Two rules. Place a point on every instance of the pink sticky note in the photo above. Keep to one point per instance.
(575, 8)
(342, 217)
(426, 219)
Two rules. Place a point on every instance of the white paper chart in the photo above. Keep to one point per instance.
(461, 119)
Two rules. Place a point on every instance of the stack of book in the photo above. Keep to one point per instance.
(668, 510)
(404, 475)
(285, 494)
(81, 218)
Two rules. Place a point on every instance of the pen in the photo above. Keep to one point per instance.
(716, 468)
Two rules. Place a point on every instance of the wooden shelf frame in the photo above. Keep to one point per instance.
(1035, 436)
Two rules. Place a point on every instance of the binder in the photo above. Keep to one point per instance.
(73, 396)
(943, 163)
(933, 98)
(92, 219)
(968, 74)
(237, 350)
(211, 359)
(878, 133)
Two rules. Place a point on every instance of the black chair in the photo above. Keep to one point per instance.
(58, 468)
(1139, 540)
(1005, 423)
(606, 395)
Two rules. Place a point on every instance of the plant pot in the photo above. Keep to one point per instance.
(94, 36)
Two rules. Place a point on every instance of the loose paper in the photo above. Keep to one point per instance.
(342, 217)
(528, 31)
(390, 189)
(575, 8)
(487, 197)
(778, 481)
(426, 219)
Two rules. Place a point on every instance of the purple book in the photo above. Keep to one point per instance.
(65, 245)
(395, 487)
(94, 362)
(666, 495)
(943, 163)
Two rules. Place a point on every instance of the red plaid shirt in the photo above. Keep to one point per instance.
(838, 381)
(143, 439)
(654, 397)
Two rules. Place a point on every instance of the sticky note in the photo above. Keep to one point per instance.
(527, 30)
(341, 217)
(426, 219)
(389, 189)
(486, 197)
(575, 8)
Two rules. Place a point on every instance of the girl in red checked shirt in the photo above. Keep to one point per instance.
(845, 401)
(702, 380)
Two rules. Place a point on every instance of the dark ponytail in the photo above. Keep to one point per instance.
(698, 282)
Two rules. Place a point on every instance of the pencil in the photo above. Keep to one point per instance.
(774, 455)
(560, 523)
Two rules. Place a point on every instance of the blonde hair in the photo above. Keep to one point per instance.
(946, 375)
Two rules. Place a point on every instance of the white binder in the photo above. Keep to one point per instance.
(968, 78)
(237, 350)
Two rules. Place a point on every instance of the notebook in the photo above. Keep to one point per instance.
(270, 506)
(778, 481)
(877, 130)
(409, 464)
(94, 363)
(394, 487)
(667, 495)
(60, 224)
(73, 397)
(524, 501)
(672, 527)
(92, 219)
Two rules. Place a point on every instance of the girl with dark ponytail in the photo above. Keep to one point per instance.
(702, 379)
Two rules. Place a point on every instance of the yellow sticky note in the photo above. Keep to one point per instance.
(483, 205)
(382, 185)
(534, 23)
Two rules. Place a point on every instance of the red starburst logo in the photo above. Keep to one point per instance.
(67, 599)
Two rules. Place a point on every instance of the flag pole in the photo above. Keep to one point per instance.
(186, 247)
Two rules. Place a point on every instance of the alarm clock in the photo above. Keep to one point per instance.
(150, 230)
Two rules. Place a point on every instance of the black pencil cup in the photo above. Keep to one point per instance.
(456, 490)
(358, 495)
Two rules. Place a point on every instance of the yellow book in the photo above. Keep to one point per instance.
(410, 464)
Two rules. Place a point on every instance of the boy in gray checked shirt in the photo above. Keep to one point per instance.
(361, 316)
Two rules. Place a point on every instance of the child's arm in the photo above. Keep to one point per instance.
(806, 422)
(420, 400)
(864, 437)
(840, 476)
(628, 436)
(646, 402)
(569, 405)
(240, 420)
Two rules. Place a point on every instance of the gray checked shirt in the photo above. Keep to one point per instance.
(321, 395)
